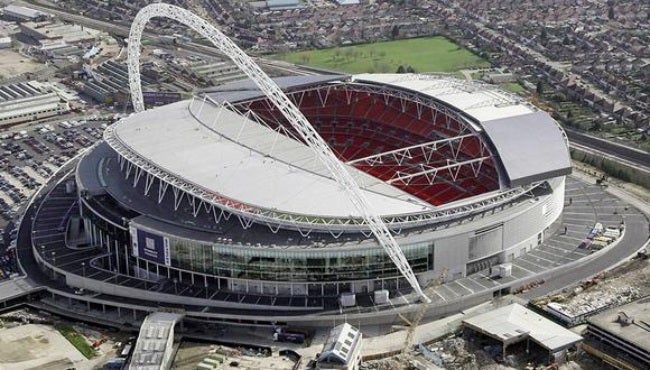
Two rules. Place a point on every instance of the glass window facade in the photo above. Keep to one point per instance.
(293, 265)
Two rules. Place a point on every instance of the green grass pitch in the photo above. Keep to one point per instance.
(431, 54)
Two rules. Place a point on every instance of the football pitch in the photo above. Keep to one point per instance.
(431, 54)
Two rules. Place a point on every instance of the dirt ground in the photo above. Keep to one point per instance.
(190, 354)
(42, 347)
(14, 64)
(35, 346)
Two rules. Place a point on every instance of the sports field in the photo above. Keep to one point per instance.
(431, 54)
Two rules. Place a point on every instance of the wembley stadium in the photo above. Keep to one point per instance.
(218, 202)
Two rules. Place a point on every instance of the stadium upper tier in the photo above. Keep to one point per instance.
(416, 144)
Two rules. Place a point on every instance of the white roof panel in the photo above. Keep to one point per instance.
(514, 322)
(480, 101)
(247, 162)
(531, 147)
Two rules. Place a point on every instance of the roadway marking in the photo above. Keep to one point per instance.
(540, 258)
(493, 283)
(556, 248)
(463, 286)
(439, 295)
(449, 289)
(523, 268)
(555, 255)
(452, 285)
(515, 276)
(521, 259)
(570, 245)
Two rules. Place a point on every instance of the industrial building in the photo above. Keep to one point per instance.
(621, 336)
(22, 14)
(29, 101)
(514, 324)
(108, 83)
(5, 42)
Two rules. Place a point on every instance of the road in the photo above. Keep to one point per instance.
(617, 152)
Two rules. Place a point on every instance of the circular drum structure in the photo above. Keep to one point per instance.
(221, 194)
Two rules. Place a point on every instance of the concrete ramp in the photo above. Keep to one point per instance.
(153, 350)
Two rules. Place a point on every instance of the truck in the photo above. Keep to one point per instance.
(282, 335)
(116, 363)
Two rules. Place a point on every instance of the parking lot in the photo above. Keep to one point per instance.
(29, 156)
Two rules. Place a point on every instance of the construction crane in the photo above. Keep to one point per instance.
(404, 355)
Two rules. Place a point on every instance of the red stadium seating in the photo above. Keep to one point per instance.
(357, 124)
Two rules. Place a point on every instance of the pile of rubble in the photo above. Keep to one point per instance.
(25, 317)
(453, 353)
(573, 306)
(383, 364)
(595, 300)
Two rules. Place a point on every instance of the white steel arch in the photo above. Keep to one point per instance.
(282, 102)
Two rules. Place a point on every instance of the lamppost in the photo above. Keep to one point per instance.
(53, 265)
(83, 274)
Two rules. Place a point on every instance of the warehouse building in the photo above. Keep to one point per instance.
(22, 14)
(29, 101)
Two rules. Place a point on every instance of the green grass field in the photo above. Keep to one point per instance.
(513, 87)
(77, 340)
(432, 54)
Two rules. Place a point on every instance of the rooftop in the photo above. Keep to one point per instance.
(254, 169)
(514, 323)
(342, 343)
(23, 11)
(637, 332)
(249, 163)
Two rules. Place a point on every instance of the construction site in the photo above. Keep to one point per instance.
(205, 356)
(573, 305)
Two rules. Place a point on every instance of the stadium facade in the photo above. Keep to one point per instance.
(220, 193)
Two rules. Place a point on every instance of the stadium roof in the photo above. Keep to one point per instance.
(479, 101)
(260, 168)
(529, 142)
(227, 155)
(531, 147)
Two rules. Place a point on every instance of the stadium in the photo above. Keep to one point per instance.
(224, 205)
(219, 193)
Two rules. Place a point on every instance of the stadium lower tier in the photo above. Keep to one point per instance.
(151, 249)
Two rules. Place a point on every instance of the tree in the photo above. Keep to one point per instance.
(543, 36)
(401, 69)
(596, 126)
(540, 88)
(394, 32)
(610, 12)
(410, 69)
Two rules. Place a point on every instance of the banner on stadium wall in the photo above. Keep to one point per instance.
(152, 247)
(168, 259)
(134, 241)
